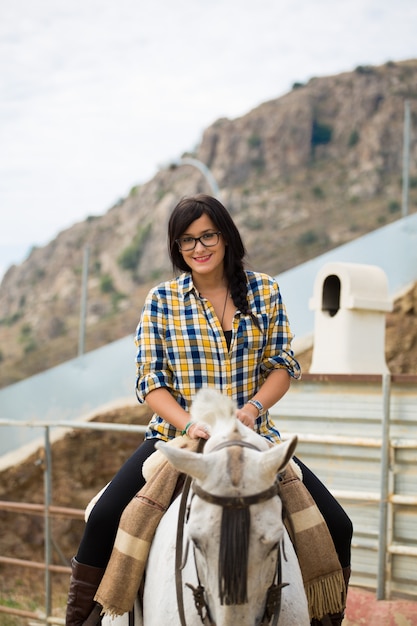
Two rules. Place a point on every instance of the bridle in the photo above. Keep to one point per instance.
(273, 594)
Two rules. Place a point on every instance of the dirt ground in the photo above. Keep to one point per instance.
(83, 462)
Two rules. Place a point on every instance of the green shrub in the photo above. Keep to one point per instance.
(364, 69)
(254, 141)
(11, 319)
(38, 275)
(394, 206)
(30, 346)
(134, 190)
(318, 192)
(116, 297)
(57, 328)
(25, 331)
(353, 139)
(156, 275)
(307, 238)
(321, 134)
(26, 339)
(106, 284)
(254, 223)
(258, 164)
(130, 256)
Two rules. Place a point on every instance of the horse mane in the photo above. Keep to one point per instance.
(213, 408)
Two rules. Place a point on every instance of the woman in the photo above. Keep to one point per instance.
(216, 324)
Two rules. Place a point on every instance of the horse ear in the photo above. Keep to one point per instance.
(185, 461)
(276, 458)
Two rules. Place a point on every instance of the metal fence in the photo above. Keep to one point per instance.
(359, 434)
(48, 511)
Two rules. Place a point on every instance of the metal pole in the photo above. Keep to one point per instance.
(383, 505)
(48, 491)
(204, 170)
(406, 158)
(83, 307)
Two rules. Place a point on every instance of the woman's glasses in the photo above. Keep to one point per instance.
(189, 243)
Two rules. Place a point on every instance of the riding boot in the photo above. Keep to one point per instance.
(81, 608)
(334, 619)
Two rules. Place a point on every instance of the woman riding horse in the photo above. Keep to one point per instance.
(218, 325)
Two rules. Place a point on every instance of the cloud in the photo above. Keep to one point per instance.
(96, 94)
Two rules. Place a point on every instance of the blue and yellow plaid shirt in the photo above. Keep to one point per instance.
(181, 346)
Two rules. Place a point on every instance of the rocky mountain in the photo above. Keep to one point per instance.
(301, 174)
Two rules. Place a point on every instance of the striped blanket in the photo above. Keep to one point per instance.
(122, 578)
(322, 573)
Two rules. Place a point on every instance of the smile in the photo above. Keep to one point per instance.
(202, 259)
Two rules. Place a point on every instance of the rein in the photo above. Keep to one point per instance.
(273, 594)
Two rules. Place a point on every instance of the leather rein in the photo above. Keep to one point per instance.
(273, 594)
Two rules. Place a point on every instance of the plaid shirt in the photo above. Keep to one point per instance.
(181, 346)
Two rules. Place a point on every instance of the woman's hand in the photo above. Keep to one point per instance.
(247, 415)
(198, 430)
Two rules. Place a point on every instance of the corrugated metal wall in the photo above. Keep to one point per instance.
(359, 435)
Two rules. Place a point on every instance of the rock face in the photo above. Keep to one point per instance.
(355, 118)
(300, 174)
(401, 334)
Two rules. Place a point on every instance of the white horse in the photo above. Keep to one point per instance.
(238, 565)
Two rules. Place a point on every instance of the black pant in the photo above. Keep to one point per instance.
(101, 528)
(100, 531)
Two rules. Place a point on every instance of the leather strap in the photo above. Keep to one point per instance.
(180, 542)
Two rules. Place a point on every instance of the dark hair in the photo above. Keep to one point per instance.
(190, 209)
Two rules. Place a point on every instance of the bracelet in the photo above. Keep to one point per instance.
(258, 405)
(186, 429)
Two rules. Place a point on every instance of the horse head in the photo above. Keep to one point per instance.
(235, 520)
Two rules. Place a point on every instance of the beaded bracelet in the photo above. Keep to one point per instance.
(186, 429)
(258, 405)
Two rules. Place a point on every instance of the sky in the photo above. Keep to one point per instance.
(97, 95)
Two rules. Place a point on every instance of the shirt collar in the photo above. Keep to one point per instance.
(186, 285)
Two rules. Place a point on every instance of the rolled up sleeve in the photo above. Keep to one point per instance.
(152, 370)
(278, 353)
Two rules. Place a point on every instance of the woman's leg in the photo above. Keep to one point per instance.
(101, 528)
(99, 535)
